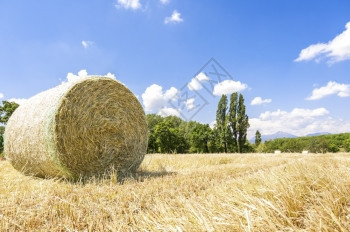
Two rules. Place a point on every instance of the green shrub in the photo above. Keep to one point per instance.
(2, 131)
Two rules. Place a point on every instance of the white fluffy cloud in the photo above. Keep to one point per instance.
(228, 87)
(111, 75)
(196, 82)
(154, 99)
(87, 43)
(335, 50)
(19, 101)
(128, 4)
(164, 1)
(69, 78)
(168, 111)
(189, 103)
(1, 95)
(81, 75)
(342, 90)
(259, 101)
(295, 113)
(212, 124)
(174, 18)
(297, 122)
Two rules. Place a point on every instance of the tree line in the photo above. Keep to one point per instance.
(174, 135)
(313, 144)
(6, 110)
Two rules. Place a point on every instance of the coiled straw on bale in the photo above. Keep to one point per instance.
(78, 129)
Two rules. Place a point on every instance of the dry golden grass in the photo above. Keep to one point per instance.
(216, 192)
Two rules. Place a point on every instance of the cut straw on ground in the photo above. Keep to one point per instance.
(209, 192)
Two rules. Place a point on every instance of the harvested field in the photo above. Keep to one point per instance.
(198, 192)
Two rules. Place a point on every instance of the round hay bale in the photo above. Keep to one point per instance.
(78, 129)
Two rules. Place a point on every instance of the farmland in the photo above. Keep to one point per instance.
(197, 192)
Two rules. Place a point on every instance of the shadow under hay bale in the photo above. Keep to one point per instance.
(78, 129)
(120, 178)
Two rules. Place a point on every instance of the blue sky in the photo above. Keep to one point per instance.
(290, 59)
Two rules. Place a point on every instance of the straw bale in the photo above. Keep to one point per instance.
(78, 129)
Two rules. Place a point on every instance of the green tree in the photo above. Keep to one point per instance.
(292, 145)
(164, 137)
(248, 148)
(174, 120)
(242, 124)
(180, 129)
(318, 144)
(2, 131)
(199, 138)
(181, 145)
(222, 122)
(169, 139)
(257, 138)
(6, 110)
(152, 121)
(261, 148)
(187, 128)
(233, 120)
(332, 147)
(214, 145)
(347, 145)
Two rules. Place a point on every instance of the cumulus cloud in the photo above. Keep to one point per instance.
(111, 75)
(81, 75)
(72, 77)
(69, 78)
(164, 2)
(87, 44)
(154, 99)
(128, 4)
(212, 124)
(189, 103)
(298, 122)
(168, 111)
(228, 87)
(196, 82)
(295, 113)
(341, 90)
(19, 101)
(259, 101)
(174, 18)
(335, 50)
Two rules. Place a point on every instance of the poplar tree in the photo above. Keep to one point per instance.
(257, 138)
(242, 124)
(233, 120)
(221, 121)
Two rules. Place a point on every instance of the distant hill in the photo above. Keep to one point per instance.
(319, 133)
(313, 144)
(279, 134)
